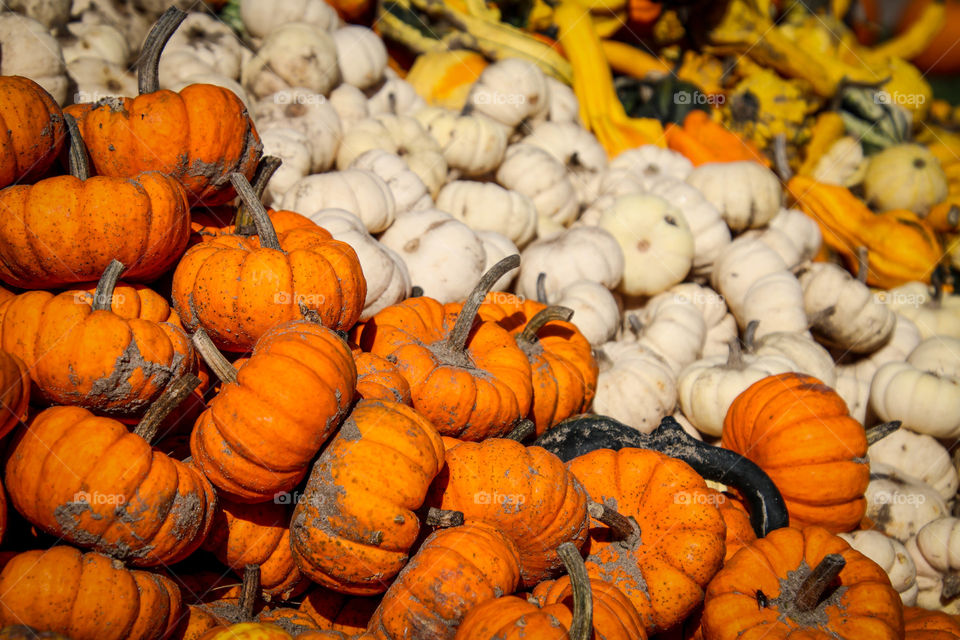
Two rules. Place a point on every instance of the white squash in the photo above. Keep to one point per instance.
(892, 557)
(542, 178)
(90, 40)
(293, 148)
(933, 316)
(709, 386)
(650, 161)
(687, 427)
(670, 326)
(808, 357)
(717, 341)
(634, 386)
(935, 552)
(900, 505)
(409, 192)
(52, 14)
(388, 281)
(97, 79)
(780, 242)
(509, 91)
(29, 50)
(842, 164)
(350, 104)
(361, 54)
(397, 97)
(308, 113)
(486, 206)
(443, 256)
(747, 194)
(656, 242)
(293, 55)
(178, 65)
(124, 16)
(802, 230)
(563, 103)
(855, 393)
(210, 41)
(708, 302)
(496, 247)
(920, 456)
(472, 144)
(940, 356)
(575, 147)
(582, 253)
(360, 192)
(859, 323)
(903, 340)
(595, 310)
(261, 17)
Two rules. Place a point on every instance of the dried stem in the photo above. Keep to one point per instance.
(878, 432)
(457, 340)
(243, 222)
(624, 529)
(529, 334)
(811, 591)
(249, 591)
(542, 288)
(265, 230)
(863, 264)
(148, 72)
(522, 431)
(103, 295)
(443, 518)
(79, 162)
(171, 398)
(220, 366)
(581, 627)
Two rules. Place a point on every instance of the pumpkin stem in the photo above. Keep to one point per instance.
(103, 295)
(310, 315)
(457, 340)
(735, 355)
(780, 157)
(878, 432)
(936, 281)
(581, 627)
(635, 325)
(79, 162)
(542, 288)
(750, 334)
(215, 360)
(416, 291)
(522, 431)
(811, 591)
(265, 230)
(249, 591)
(443, 518)
(818, 317)
(950, 587)
(243, 223)
(863, 263)
(148, 74)
(171, 398)
(549, 314)
(625, 530)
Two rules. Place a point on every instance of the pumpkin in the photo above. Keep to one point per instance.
(304, 111)
(361, 55)
(563, 105)
(14, 398)
(934, 314)
(338, 612)
(473, 144)
(339, 539)
(496, 247)
(34, 53)
(350, 104)
(208, 291)
(355, 190)
(776, 583)
(580, 253)
(668, 540)
(671, 326)
(379, 379)
(905, 176)
(933, 550)
(801, 230)
(739, 529)
(64, 591)
(22, 632)
(125, 362)
(923, 624)
(595, 311)
(408, 189)
(455, 570)
(200, 156)
(258, 435)
(260, 17)
(248, 631)
(511, 91)
(445, 77)
(892, 556)
(489, 207)
(651, 161)
(634, 385)
(721, 327)
(807, 356)
(34, 130)
(900, 505)
(294, 54)
(524, 491)
(293, 148)
(920, 456)
(578, 149)
(397, 97)
(822, 484)
(538, 175)
(752, 205)
(210, 41)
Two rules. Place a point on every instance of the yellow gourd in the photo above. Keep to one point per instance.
(444, 78)
(904, 176)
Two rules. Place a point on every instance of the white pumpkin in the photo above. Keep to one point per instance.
(496, 247)
(933, 316)
(485, 206)
(903, 340)
(656, 242)
(91, 40)
(97, 79)
(780, 242)
(859, 322)
(293, 148)
(855, 393)
(472, 144)
(542, 178)
(920, 456)
(670, 326)
(563, 103)
(361, 54)
(892, 557)
(689, 429)
(650, 161)
(747, 194)
(709, 386)
(293, 55)
(261, 17)
(210, 41)
(309, 113)
(388, 281)
(717, 341)
(634, 386)
(443, 256)
(842, 164)
(595, 311)
(575, 147)
(935, 552)
(708, 302)
(29, 50)
(940, 356)
(397, 97)
(53, 14)
(582, 253)
(350, 104)
(509, 91)
(808, 357)
(899, 505)
(360, 192)
(409, 192)
(178, 65)
(802, 230)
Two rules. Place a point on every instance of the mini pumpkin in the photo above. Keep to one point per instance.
(634, 385)
(14, 395)
(356, 190)
(301, 109)
(920, 456)
(580, 253)
(538, 175)
(361, 55)
(489, 207)
(904, 176)
(892, 556)
(900, 505)
(295, 54)
(379, 379)
(753, 204)
(595, 311)
(409, 191)
(511, 91)
(933, 550)
(473, 144)
(33, 130)
(923, 624)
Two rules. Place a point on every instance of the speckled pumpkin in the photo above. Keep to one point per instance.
(31, 130)
(14, 392)
(379, 379)
(337, 611)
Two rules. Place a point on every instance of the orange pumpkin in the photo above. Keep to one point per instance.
(924, 624)
(14, 393)
(258, 436)
(32, 130)
(198, 136)
(801, 583)
(739, 530)
(87, 596)
(665, 567)
(940, 56)
(336, 611)
(799, 431)
(378, 379)
(237, 288)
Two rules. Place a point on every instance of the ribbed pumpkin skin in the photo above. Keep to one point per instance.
(378, 379)
(257, 534)
(95, 359)
(63, 230)
(258, 436)
(739, 530)
(207, 224)
(87, 596)
(198, 136)
(353, 528)
(454, 570)
(14, 393)
(133, 301)
(480, 397)
(513, 618)
(247, 631)
(32, 130)
(525, 491)
(867, 606)
(237, 291)
(614, 617)
(800, 432)
(924, 624)
(95, 484)
(681, 531)
(337, 611)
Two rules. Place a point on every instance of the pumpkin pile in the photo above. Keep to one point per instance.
(485, 321)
